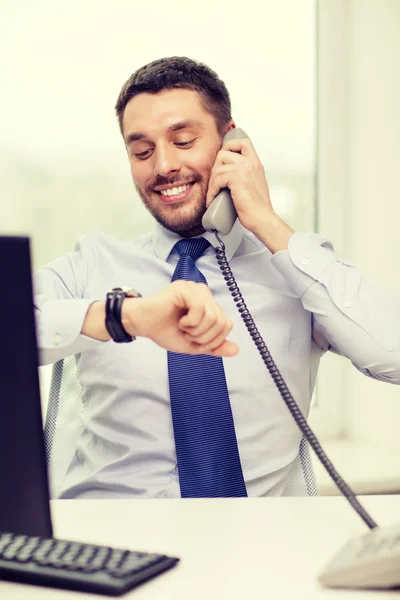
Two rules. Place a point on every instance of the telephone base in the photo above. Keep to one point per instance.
(370, 561)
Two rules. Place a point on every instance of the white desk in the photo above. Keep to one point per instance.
(232, 549)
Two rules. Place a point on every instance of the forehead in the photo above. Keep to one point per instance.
(153, 113)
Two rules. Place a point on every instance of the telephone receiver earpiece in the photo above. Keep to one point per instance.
(221, 215)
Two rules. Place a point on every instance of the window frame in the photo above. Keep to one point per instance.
(332, 191)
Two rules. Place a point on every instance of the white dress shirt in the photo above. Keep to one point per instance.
(304, 300)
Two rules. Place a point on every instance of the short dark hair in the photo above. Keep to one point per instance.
(179, 72)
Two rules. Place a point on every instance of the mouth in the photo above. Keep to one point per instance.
(176, 194)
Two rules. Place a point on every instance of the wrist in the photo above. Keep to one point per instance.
(94, 323)
(132, 316)
(114, 301)
(273, 232)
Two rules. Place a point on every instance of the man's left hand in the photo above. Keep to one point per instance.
(238, 167)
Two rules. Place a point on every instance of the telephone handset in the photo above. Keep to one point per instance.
(349, 568)
(221, 214)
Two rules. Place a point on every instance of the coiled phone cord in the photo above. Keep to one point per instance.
(282, 387)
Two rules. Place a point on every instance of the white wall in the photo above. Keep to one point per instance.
(373, 408)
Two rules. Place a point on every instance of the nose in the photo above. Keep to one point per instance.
(166, 160)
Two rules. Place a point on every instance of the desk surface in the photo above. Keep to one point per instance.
(229, 549)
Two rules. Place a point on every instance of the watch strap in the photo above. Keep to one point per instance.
(114, 300)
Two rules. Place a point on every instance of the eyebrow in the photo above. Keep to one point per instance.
(187, 124)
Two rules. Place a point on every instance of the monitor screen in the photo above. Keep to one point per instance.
(24, 497)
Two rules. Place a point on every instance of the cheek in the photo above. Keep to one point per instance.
(202, 168)
(140, 175)
(206, 174)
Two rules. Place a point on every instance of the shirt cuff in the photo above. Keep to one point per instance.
(307, 257)
(62, 336)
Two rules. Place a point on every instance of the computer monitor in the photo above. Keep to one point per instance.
(24, 496)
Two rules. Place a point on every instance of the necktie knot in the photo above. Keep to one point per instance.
(193, 247)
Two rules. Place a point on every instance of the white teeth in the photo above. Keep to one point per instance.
(175, 190)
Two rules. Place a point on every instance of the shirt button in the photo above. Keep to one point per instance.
(57, 339)
(346, 304)
(305, 262)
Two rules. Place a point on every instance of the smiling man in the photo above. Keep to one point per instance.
(171, 155)
(180, 412)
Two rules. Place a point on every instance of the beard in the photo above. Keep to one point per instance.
(177, 217)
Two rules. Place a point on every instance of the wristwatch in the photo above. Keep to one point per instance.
(114, 300)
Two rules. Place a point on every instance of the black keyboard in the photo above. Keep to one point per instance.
(77, 566)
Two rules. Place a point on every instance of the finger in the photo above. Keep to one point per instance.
(227, 348)
(203, 311)
(215, 342)
(219, 339)
(227, 157)
(244, 146)
(214, 336)
(193, 318)
(212, 317)
(218, 181)
(205, 319)
(189, 295)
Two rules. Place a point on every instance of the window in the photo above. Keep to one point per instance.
(65, 170)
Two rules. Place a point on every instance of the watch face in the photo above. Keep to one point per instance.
(128, 291)
(131, 293)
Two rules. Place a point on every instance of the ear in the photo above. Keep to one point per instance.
(231, 125)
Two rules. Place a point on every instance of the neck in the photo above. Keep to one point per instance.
(188, 233)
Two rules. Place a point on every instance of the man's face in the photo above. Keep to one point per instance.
(172, 144)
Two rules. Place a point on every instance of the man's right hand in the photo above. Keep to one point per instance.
(184, 317)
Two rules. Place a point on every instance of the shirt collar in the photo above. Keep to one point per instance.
(164, 240)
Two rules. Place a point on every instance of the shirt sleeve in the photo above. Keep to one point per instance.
(60, 306)
(351, 315)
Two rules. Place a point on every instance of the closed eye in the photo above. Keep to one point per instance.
(180, 144)
(183, 143)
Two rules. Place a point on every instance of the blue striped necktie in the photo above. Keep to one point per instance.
(205, 440)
